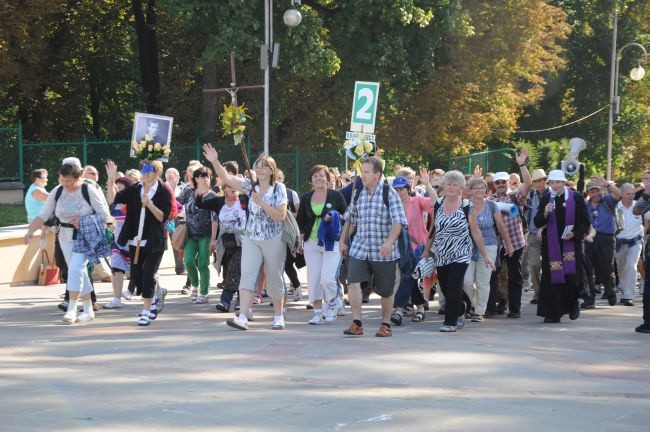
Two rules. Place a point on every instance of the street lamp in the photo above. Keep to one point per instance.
(636, 74)
(270, 51)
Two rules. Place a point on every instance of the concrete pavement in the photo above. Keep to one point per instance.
(189, 371)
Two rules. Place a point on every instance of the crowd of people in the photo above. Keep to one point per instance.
(476, 240)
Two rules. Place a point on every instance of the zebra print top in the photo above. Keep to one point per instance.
(452, 242)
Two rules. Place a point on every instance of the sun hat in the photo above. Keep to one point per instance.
(556, 175)
(501, 175)
(593, 185)
(537, 174)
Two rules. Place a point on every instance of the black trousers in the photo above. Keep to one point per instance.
(515, 282)
(290, 270)
(646, 286)
(599, 262)
(142, 273)
(450, 278)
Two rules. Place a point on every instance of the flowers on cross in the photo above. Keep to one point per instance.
(232, 121)
(359, 147)
(147, 149)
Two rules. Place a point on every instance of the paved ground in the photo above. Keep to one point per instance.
(191, 372)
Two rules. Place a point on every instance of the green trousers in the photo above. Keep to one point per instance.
(198, 252)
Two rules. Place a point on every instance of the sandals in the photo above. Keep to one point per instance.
(203, 298)
(193, 295)
(418, 317)
(396, 318)
(384, 330)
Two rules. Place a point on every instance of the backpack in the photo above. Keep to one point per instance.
(110, 223)
(618, 217)
(406, 255)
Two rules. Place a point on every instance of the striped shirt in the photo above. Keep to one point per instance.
(374, 223)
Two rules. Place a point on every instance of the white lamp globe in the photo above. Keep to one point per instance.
(292, 17)
(637, 73)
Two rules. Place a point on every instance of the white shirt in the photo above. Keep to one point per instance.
(633, 225)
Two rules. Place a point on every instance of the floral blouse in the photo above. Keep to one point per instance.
(260, 226)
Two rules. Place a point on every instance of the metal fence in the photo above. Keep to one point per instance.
(490, 160)
(20, 158)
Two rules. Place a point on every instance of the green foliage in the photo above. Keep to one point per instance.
(12, 214)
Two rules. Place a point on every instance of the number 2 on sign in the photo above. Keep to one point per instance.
(364, 112)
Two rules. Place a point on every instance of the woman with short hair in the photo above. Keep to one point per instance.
(73, 206)
(151, 195)
(455, 227)
(319, 221)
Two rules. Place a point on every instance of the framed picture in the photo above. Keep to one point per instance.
(159, 128)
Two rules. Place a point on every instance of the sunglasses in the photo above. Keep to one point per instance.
(500, 182)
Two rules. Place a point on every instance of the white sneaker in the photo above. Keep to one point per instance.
(317, 319)
(297, 294)
(70, 317)
(460, 323)
(331, 312)
(85, 316)
(239, 322)
(278, 324)
(115, 303)
(127, 294)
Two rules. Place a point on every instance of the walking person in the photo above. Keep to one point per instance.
(563, 215)
(151, 195)
(456, 231)
(79, 208)
(642, 208)
(534, 242)
(321, 206)
(490, 221)
(201, 234)
(600, 247)
(262, 244)
(629, 243)
(377, 225)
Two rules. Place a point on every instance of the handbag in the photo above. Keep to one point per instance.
(179, 237)
(228, 240)
(424, 268)
(49, 273)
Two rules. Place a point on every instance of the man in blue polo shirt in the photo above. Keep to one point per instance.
(601, 242)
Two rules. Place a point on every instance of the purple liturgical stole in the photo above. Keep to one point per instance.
(562, 260)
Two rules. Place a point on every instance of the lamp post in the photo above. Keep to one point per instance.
(636, 74)
(270, 53)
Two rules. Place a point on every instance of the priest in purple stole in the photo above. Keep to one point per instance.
(563, 214)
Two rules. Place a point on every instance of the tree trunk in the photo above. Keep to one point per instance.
(209, 101)
(145, 29)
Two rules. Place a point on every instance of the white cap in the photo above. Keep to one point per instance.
(556, 175)
(501, 175)
(71, 161)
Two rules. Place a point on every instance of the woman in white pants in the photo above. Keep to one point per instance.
(477, 277)
(628, 244)
(321, 206)
(69, 207)
(262, 243)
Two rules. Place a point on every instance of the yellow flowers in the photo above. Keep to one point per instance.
(358, 147)
(146, 149)
(232, 121)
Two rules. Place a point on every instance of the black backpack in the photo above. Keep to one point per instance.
(406, 256)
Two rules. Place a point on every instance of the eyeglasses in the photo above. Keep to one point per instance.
(500, 182)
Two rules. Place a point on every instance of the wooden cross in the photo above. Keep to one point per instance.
(232, 91)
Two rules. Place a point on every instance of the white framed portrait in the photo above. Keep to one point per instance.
(158, 127)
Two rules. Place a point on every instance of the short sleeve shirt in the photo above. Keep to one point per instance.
(374, 223)
(260, 225)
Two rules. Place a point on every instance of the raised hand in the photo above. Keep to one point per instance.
(521, 157)
(424, 175)
(111, 169)
(210, 153)
(478, 171)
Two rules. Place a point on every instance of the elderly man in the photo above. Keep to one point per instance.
(600, 243)
(534, 251)
(628, 244)
(515, 229)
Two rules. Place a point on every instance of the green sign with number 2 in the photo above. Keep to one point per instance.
(364, 106)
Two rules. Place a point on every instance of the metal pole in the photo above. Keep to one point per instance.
(612, 88)
(268, 44)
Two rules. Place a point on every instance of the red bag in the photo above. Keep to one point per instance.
(49, 273)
